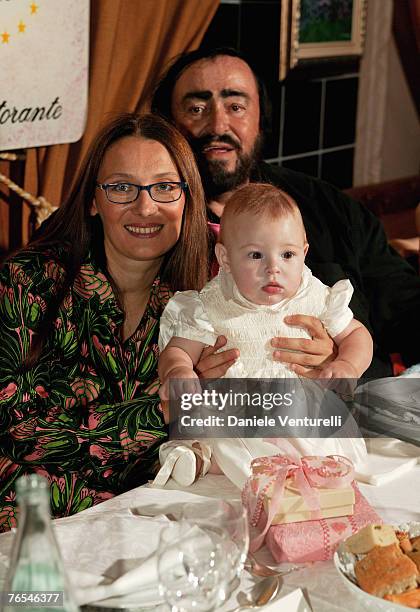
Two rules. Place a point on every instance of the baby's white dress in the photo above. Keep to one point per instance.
(220, 309)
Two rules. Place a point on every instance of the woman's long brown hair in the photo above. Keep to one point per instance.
(185, 266)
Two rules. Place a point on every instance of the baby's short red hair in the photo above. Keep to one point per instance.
(259, 200)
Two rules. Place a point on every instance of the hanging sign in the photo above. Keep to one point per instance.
(44, 55)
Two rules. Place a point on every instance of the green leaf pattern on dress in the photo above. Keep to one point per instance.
(87, 416)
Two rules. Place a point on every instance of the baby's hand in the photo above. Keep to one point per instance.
(180, 380)
(339, 368)
(340, 376)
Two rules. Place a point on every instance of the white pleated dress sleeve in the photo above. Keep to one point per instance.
(337, 314)
(185, 317)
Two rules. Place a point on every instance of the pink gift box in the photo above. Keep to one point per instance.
(317, 540)
(272, 477)
(292, 508)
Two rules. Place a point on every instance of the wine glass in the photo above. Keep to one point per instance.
(191, 568)
(225, 522)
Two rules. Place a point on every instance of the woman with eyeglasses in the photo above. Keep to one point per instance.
(79, 318)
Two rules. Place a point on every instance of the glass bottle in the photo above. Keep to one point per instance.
(35, 565)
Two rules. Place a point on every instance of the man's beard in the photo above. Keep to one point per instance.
(216, 179)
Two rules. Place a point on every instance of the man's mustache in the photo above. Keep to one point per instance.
(199, 144)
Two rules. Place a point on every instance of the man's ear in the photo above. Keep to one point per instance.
(94, 209)
(222, 256)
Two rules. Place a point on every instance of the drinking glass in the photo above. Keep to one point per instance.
(191, 568)
(225, 522)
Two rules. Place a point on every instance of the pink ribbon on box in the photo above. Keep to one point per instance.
(308, 474)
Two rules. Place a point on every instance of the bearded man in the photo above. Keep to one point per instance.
(218, 102)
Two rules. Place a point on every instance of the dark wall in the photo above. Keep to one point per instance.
(313, 110)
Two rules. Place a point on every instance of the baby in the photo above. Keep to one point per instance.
(262, 278)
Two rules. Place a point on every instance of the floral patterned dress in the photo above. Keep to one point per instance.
(87, 415)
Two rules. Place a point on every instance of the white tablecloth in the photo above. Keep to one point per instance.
(396, 502)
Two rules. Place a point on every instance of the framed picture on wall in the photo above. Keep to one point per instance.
(320, 29)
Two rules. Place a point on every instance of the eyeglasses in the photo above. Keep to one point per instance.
(125, 193)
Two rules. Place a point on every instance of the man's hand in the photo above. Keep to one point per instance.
(213, 364)
(313, 354)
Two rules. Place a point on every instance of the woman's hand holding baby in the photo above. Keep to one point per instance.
(303, 356)
(213, 364)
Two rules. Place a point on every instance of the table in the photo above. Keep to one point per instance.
(396, 502)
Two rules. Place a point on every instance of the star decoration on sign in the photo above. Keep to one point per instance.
(5, 36)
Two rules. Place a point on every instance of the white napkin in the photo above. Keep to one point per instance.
(99, 548)
(379, 469)
(388, 459)
(141, 581)
(91, 588)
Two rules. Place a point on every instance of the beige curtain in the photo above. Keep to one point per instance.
(131, 43)
(388, 130)
(373, 87)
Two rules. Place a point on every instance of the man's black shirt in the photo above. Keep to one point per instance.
(347, 241)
